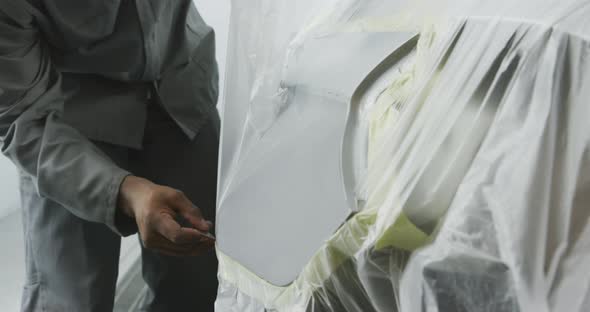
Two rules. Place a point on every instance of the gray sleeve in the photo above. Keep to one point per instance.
(65, 166)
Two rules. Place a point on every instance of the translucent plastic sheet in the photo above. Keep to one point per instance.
(457, 175)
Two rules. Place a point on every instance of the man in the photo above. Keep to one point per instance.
(107, 108)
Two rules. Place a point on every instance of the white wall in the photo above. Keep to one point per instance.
(216, 14)
(9, 197)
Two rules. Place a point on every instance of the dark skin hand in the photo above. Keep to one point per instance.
(155, 209)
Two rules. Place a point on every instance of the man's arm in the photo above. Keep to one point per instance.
(66, 167)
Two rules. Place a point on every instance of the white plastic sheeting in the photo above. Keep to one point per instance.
(455, 178)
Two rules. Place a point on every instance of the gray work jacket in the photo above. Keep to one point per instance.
(75, 71)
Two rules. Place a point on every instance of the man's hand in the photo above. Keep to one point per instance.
(155, 209)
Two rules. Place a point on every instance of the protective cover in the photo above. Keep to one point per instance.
(393, 155)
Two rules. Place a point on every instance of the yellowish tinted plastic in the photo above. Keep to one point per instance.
(403, 234)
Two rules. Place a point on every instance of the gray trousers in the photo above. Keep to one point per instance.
(72, 264)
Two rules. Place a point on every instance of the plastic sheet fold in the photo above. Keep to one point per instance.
(406, 156)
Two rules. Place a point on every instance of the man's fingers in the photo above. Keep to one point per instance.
(160, 244)
(190, 212)
(165, 225)
(195, 237)
(172, 231)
